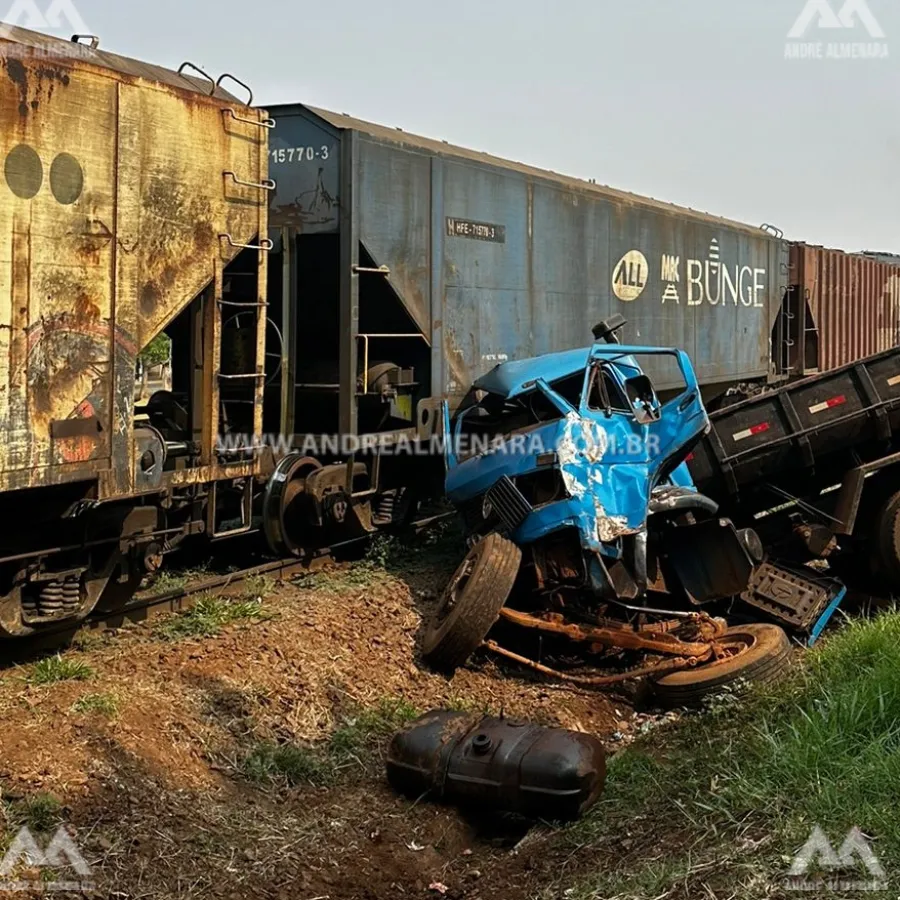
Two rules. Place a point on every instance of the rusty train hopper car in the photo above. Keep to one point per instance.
(135, 199)
(841, 307)
(447, 261)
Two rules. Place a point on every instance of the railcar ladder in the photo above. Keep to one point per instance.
(247, 456)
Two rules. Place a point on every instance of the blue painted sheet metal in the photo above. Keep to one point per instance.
(305, 163)
(609, 463)
(496, 260)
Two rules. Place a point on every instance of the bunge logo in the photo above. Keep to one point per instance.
(818, 855)
(820, 14)
(717, 280)
(59, 16)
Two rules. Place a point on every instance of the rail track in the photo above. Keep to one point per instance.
(147, 604)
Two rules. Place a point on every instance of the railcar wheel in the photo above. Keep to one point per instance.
(286, 505)
(758, 653)
(471, 603)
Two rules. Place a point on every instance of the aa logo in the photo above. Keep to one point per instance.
(55, 15)
(851, 13)
(60, 853)
(818, 856)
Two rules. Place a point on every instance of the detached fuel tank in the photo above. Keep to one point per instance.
(507, 765)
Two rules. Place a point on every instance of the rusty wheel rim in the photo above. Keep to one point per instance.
(727, 650)
(455, 590)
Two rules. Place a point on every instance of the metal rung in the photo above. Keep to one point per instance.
(244, 377)
(265, 245)
(228, 76)
(241, 303)
(209, 78)
(364, 270)
(267, 185)
(259, 123)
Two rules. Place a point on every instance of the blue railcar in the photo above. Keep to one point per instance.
(476, 260)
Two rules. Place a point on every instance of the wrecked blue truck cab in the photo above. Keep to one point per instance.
(579, 442)
(569, 471)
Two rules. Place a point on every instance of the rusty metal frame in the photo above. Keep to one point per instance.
(661, 668)
(615, 638)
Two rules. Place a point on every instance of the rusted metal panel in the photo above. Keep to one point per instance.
(849, 304)
(115, 202)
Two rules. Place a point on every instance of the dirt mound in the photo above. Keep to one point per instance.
(163, 748)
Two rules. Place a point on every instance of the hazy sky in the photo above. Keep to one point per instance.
(690, 101)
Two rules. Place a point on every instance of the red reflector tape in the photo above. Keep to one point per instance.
(689, 457)
(755, 429)
(828, 404)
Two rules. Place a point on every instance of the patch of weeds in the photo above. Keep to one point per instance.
(287, 764)
(99, 704)
(38, 812)
(354, 744)
(465, 705)
(58, 668)
(169, 580)
(344, 577)
(210, 615)
(362, 731)
(87, 640)
(383, 549)
(259, 587)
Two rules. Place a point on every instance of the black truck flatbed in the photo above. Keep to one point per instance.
(802, 438)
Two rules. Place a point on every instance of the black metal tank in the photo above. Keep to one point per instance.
(501, 764)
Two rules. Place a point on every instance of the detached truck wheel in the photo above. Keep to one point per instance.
(886, 541)
(471, 603)
(758, 653)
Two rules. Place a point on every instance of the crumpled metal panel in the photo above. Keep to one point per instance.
(609, 465)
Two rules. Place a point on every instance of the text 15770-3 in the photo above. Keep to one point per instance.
(299, 154)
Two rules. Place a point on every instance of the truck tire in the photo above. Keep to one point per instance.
(471, 603)
(763, 654)
(886, 543)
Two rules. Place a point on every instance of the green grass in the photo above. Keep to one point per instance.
(176, 579)
(354, 745)
(727, 799)
(39, 812)
(58, 668)
(211, 614)
(97, 704)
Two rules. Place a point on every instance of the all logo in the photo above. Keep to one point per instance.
(630, 276)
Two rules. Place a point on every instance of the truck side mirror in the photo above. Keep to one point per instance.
(643, 400)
